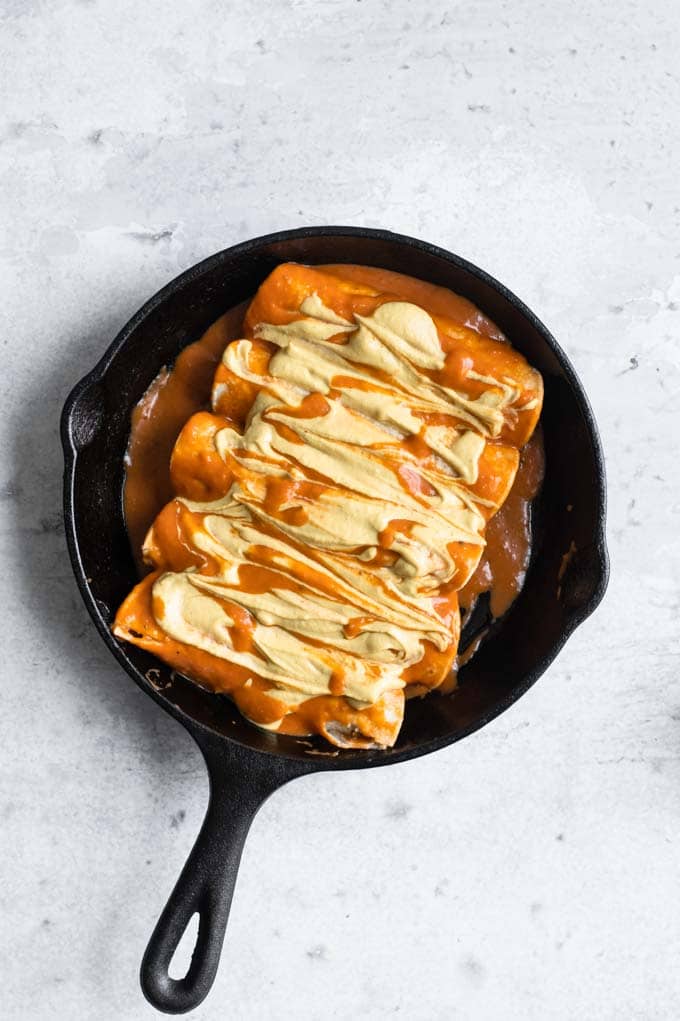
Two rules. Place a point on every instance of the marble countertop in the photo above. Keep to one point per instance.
(530, 872)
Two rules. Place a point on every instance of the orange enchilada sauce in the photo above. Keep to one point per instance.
(502, 569)
(159, 418)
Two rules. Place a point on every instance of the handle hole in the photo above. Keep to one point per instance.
(184, 951)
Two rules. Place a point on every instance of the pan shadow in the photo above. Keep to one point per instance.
(105, 715)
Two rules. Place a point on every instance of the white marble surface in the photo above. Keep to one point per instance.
(530, 872)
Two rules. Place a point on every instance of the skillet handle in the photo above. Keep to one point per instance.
(239, 786)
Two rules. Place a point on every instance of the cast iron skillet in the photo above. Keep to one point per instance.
(246, 765)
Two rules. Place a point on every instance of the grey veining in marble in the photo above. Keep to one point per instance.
(532, 871)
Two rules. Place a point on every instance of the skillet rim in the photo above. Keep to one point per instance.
(356, 758)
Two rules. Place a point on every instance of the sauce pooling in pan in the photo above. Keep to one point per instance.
(502, 569)
(158, 419)
(365, 428)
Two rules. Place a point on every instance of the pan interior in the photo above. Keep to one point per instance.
(568, 569)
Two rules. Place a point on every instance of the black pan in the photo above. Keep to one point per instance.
(246, 765)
